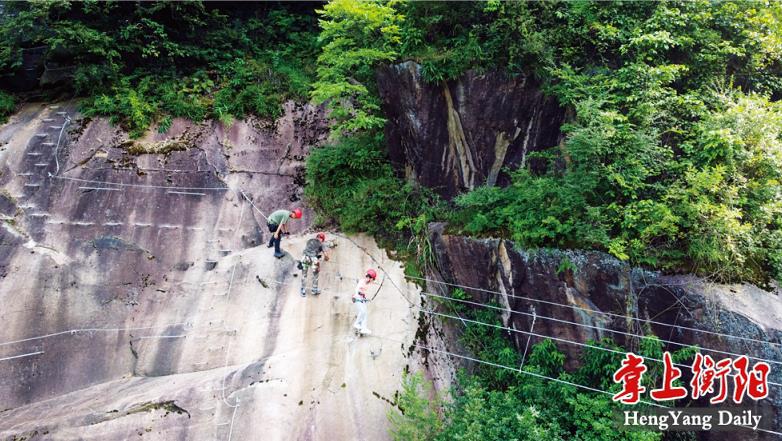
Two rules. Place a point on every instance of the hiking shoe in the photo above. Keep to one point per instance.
(365, 332)
(315, 291)
(279, 255)
(303, 292)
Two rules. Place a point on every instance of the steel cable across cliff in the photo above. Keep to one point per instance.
(626, 317)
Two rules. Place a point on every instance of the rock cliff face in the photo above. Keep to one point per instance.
(136, 300)
(605, 293)
(460, 134)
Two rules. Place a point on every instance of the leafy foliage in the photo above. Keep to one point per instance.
(503, 403)
(527, 407)
(448, 38)
(7, 106)
(417, 418)
(730, 198)
(356, 37)
(658, 165)
(710, 205)
(655, 164)
(353, 182)
(737, 38)
(142, 63)
(481, 414)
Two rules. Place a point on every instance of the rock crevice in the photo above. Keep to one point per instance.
(460, 134)
(151, 303)
(591, 294)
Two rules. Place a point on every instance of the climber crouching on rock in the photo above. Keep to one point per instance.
(314, 250)
(360, 300)
(278, 224)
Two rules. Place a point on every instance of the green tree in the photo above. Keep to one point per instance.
(356, 37)
(657, 164)
(730, 198)
(417, 418)
(142, 63)
(527, 407)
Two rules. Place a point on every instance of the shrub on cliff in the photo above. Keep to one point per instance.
(658, 165)
(416, 418)
(140, 63)
(356, 36)
(669, 160)
(712, 205)
(525, 408)
(7, 106)
(496, 401)
(352, 182)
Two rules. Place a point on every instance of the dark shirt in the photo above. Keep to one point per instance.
(313, 248)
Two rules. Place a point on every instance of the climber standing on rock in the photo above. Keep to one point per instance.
(278, 224)
(314, 250)
(360, 300)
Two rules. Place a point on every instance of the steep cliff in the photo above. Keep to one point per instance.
(460, 134)
(136, 300)
(577, 296)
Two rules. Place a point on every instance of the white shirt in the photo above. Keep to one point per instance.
(361, 289)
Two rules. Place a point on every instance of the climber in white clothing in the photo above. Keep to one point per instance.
(360, 300)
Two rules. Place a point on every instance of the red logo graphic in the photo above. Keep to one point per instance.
(752, 383)
(630, 375)
(669, 391)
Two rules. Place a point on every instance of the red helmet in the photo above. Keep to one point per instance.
(321, 237)
(372, 274)
(297, 213)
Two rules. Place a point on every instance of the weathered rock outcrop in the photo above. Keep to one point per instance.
(609, 294)
(135, 300)
(460, 134)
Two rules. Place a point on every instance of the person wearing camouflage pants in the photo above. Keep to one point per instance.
(313, 251)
